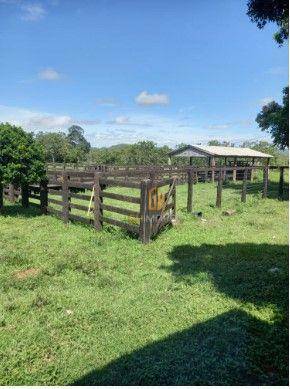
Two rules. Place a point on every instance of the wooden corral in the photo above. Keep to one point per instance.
(155, 203)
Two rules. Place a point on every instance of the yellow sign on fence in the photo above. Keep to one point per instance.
(156, 200)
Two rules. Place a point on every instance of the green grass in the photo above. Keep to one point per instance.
(196, 306)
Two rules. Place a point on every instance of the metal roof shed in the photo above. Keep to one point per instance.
(213, 152)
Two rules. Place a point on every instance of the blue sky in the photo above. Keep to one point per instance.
(126, 70)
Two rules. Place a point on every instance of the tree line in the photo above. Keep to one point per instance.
(74, 148)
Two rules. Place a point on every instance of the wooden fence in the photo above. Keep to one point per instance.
(89, 197)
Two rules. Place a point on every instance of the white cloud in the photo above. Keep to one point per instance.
(145, 98)
(32, 120)
(32, 12)
(126, 121)
(49, 122)
(49, 74)
(107, 102)
(266, 100)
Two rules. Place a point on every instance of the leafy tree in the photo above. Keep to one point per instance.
(21, 157)
(279, 157)
(141, 153)
(274, 118)
(147, 153)
(79, 145)
(55, 144)
(262, 12)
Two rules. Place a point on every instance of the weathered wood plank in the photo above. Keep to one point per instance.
(219, 189)
(80, 196)
(116, 196)
(144, 227)
(55, 192)
(79, 206)
(122, 184)
(55, 201)
(122, 211)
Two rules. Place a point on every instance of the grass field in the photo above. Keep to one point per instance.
(205, 303)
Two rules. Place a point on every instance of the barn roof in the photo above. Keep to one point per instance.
(218, 151)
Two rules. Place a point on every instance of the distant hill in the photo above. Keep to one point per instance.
(119, 146)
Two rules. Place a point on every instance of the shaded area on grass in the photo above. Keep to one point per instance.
(256, 188)
(255, 273)
(226, 350)
(16, 209)
(233, 348)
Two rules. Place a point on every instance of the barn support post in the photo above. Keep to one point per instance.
(189, 190)
(25, 195)
(97, 202)
(225, 169)
(212, 164)
(65, 197)
(11, 195)
(252, 170)
(219, 189)
(244, 187)
(1, 196)
(281, 184)
(265, 181)
(235, 170)
(144, 227)
(43, 197)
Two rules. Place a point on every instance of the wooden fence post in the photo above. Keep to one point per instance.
(144, 229)
(174, 201)
(65, 197)
(189, 190)
(25, 195)
(97, 202)
(244, 187)
(43, 197)
(265, 181)
(1, 196)
(11, 196)
(219, 189)
(281, 184)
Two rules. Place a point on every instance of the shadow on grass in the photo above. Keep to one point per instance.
(16, 209)
(256, 273)
(256, 187)
(233, 348)
(226, 350)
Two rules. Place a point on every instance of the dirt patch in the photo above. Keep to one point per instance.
(23, 274)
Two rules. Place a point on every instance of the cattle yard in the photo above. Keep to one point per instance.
(148, 199)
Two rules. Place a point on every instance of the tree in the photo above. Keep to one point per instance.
(55, 144)
(79, 145)
(262, 12)
(274, 118)
(21, 157)
(279, 157)
(147, 153)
